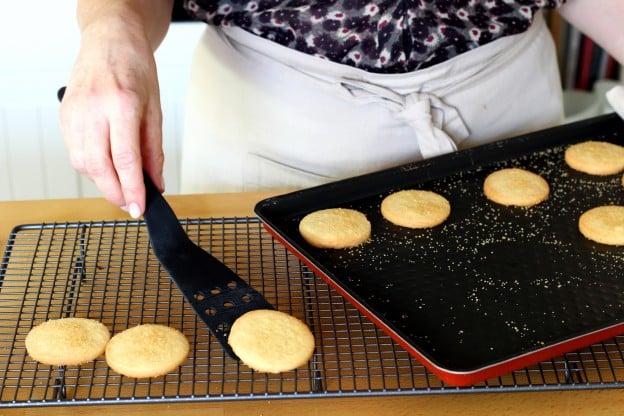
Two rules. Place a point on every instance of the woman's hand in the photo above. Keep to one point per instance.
(615, 97)
(110, 114)
(603, 22)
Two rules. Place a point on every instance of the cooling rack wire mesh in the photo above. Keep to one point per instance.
(106, 271)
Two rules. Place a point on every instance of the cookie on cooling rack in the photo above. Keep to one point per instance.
(335, 228)
(148, 350)
(67, 341)
(415, 208)
(603, 224)
(515, 187)
(271, 341)
(595, 157)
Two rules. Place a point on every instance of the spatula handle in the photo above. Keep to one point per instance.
(163, 225)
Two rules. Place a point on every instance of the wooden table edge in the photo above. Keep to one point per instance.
(563, 402)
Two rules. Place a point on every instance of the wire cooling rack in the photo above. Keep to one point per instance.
(106, 271)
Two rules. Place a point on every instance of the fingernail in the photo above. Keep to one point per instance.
(124, 208)
(134, 210)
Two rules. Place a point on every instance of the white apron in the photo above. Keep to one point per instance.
(261, 116)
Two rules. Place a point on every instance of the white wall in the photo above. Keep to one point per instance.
(38, 42)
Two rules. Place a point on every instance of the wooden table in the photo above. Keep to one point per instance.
(585, 402)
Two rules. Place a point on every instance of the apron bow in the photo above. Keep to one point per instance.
(437, 125)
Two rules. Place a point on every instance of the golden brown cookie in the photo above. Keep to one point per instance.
(148, 350)
(67, 341)
(335, 228)
(603, 224)
(515, 186)
(271, 341)
(595, 157)
(415, 208)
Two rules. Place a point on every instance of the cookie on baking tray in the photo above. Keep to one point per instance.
(603, 224)
(595, 157)
(67, 341)
(515, 187)
(335, 228)
(415, 208)
(271, 341)
(148, 350)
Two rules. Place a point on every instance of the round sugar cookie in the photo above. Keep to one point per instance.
(67, 341)
(271, 341)
(595, 157)
(603, 224)
(148, 350)
(335, 228)
(516, 187)
(415, 208)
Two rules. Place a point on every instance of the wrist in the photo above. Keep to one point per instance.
(148, 19)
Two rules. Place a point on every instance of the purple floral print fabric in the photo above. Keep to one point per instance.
(387, 36)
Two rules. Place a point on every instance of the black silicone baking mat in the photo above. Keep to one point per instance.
(492, 289)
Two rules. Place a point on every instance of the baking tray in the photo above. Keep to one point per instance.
(492, 289)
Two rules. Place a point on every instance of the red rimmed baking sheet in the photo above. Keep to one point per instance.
(492, 289)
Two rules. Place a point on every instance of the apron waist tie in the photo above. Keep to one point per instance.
(437, 125)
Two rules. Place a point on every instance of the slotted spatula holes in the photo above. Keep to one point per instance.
(223, 328)
(213, 290)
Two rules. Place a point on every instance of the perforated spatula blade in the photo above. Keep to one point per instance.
(217, 294)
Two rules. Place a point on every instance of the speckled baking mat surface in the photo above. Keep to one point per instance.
(492, 288)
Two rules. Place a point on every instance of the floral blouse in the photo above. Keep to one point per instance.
(383, 36)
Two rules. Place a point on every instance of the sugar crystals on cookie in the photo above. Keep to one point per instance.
(595, 157)
(335, 228)
(271, 341)
(67, 341)
(603, 224)
(148, 350)
(415, 208)
(515, 187)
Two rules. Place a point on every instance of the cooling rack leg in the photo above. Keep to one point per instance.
(79, 273)
(317, 382)
(572, 373)
(60, 390)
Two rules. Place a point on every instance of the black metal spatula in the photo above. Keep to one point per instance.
(215, 292)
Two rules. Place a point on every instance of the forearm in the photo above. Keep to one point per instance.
(602, 20)
(150, 16)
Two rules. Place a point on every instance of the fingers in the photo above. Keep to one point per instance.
(126, 179)
(72, 128)
(111, 140)
(152, 155)
(116, 154)
(136, 147)
(86, 119)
